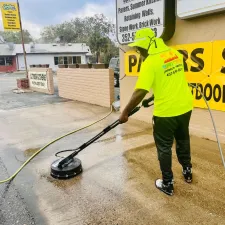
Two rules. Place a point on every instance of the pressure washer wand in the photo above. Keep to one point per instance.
(65, 162)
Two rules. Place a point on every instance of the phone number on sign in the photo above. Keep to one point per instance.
(128, 37)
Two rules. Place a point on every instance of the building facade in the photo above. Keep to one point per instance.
(202, 38)
(12, 58)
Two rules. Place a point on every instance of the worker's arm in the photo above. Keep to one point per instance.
(143, 86)
(135, 100)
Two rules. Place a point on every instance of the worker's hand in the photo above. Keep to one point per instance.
(123, 117)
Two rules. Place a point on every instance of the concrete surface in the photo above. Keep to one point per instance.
(117, 184)
(13, 210)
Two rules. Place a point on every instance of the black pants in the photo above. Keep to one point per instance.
(165, 130)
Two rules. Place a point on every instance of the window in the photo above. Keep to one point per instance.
(79, 59)
(6, 61)
(2, 61)
(70, 60)
(74, 60)
(9, 61)
(61, 60)
(65, 60)
(56, 60)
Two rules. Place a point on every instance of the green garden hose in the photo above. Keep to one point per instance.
(50, 143)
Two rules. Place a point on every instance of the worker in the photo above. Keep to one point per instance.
(162, 70)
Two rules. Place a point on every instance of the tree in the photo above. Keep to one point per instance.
(110, 51)
(78, 29)
(15, 37)
(95, 31)
(98, 44)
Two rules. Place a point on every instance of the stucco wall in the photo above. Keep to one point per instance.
(199, 30)
(95, 86)
(187, 31)
(203, 29)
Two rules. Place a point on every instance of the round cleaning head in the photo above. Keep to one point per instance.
(72, 170)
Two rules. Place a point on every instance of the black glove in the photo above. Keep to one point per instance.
(146, 102)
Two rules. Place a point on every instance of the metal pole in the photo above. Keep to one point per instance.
(22, 38)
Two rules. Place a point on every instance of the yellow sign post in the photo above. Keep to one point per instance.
(10, 16)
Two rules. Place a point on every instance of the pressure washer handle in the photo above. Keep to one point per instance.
(66, 161)
(134, 111)
(146, 102)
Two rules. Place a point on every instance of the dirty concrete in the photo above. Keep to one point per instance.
(117, 184)
(120, 190)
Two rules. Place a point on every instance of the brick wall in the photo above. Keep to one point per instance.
(95, 86)
(23, 83)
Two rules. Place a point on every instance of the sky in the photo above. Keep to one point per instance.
(36, 14)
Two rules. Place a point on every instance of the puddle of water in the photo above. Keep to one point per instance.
(29, 152)
(23, 156)
(120, 137)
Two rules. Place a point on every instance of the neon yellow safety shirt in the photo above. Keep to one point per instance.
(163, 71)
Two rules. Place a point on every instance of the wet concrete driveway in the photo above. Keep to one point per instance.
(117, 184)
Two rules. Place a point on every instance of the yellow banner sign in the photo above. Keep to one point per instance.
(132, 63)
(10, 16)
(197, 60)
(204, 65)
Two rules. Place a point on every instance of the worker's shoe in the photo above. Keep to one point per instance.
(167, 188)
(187, 173)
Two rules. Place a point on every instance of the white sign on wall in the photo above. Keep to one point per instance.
(133, 15)
(38, 80)
(194, 8)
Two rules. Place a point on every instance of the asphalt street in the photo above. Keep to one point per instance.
(10, 100)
